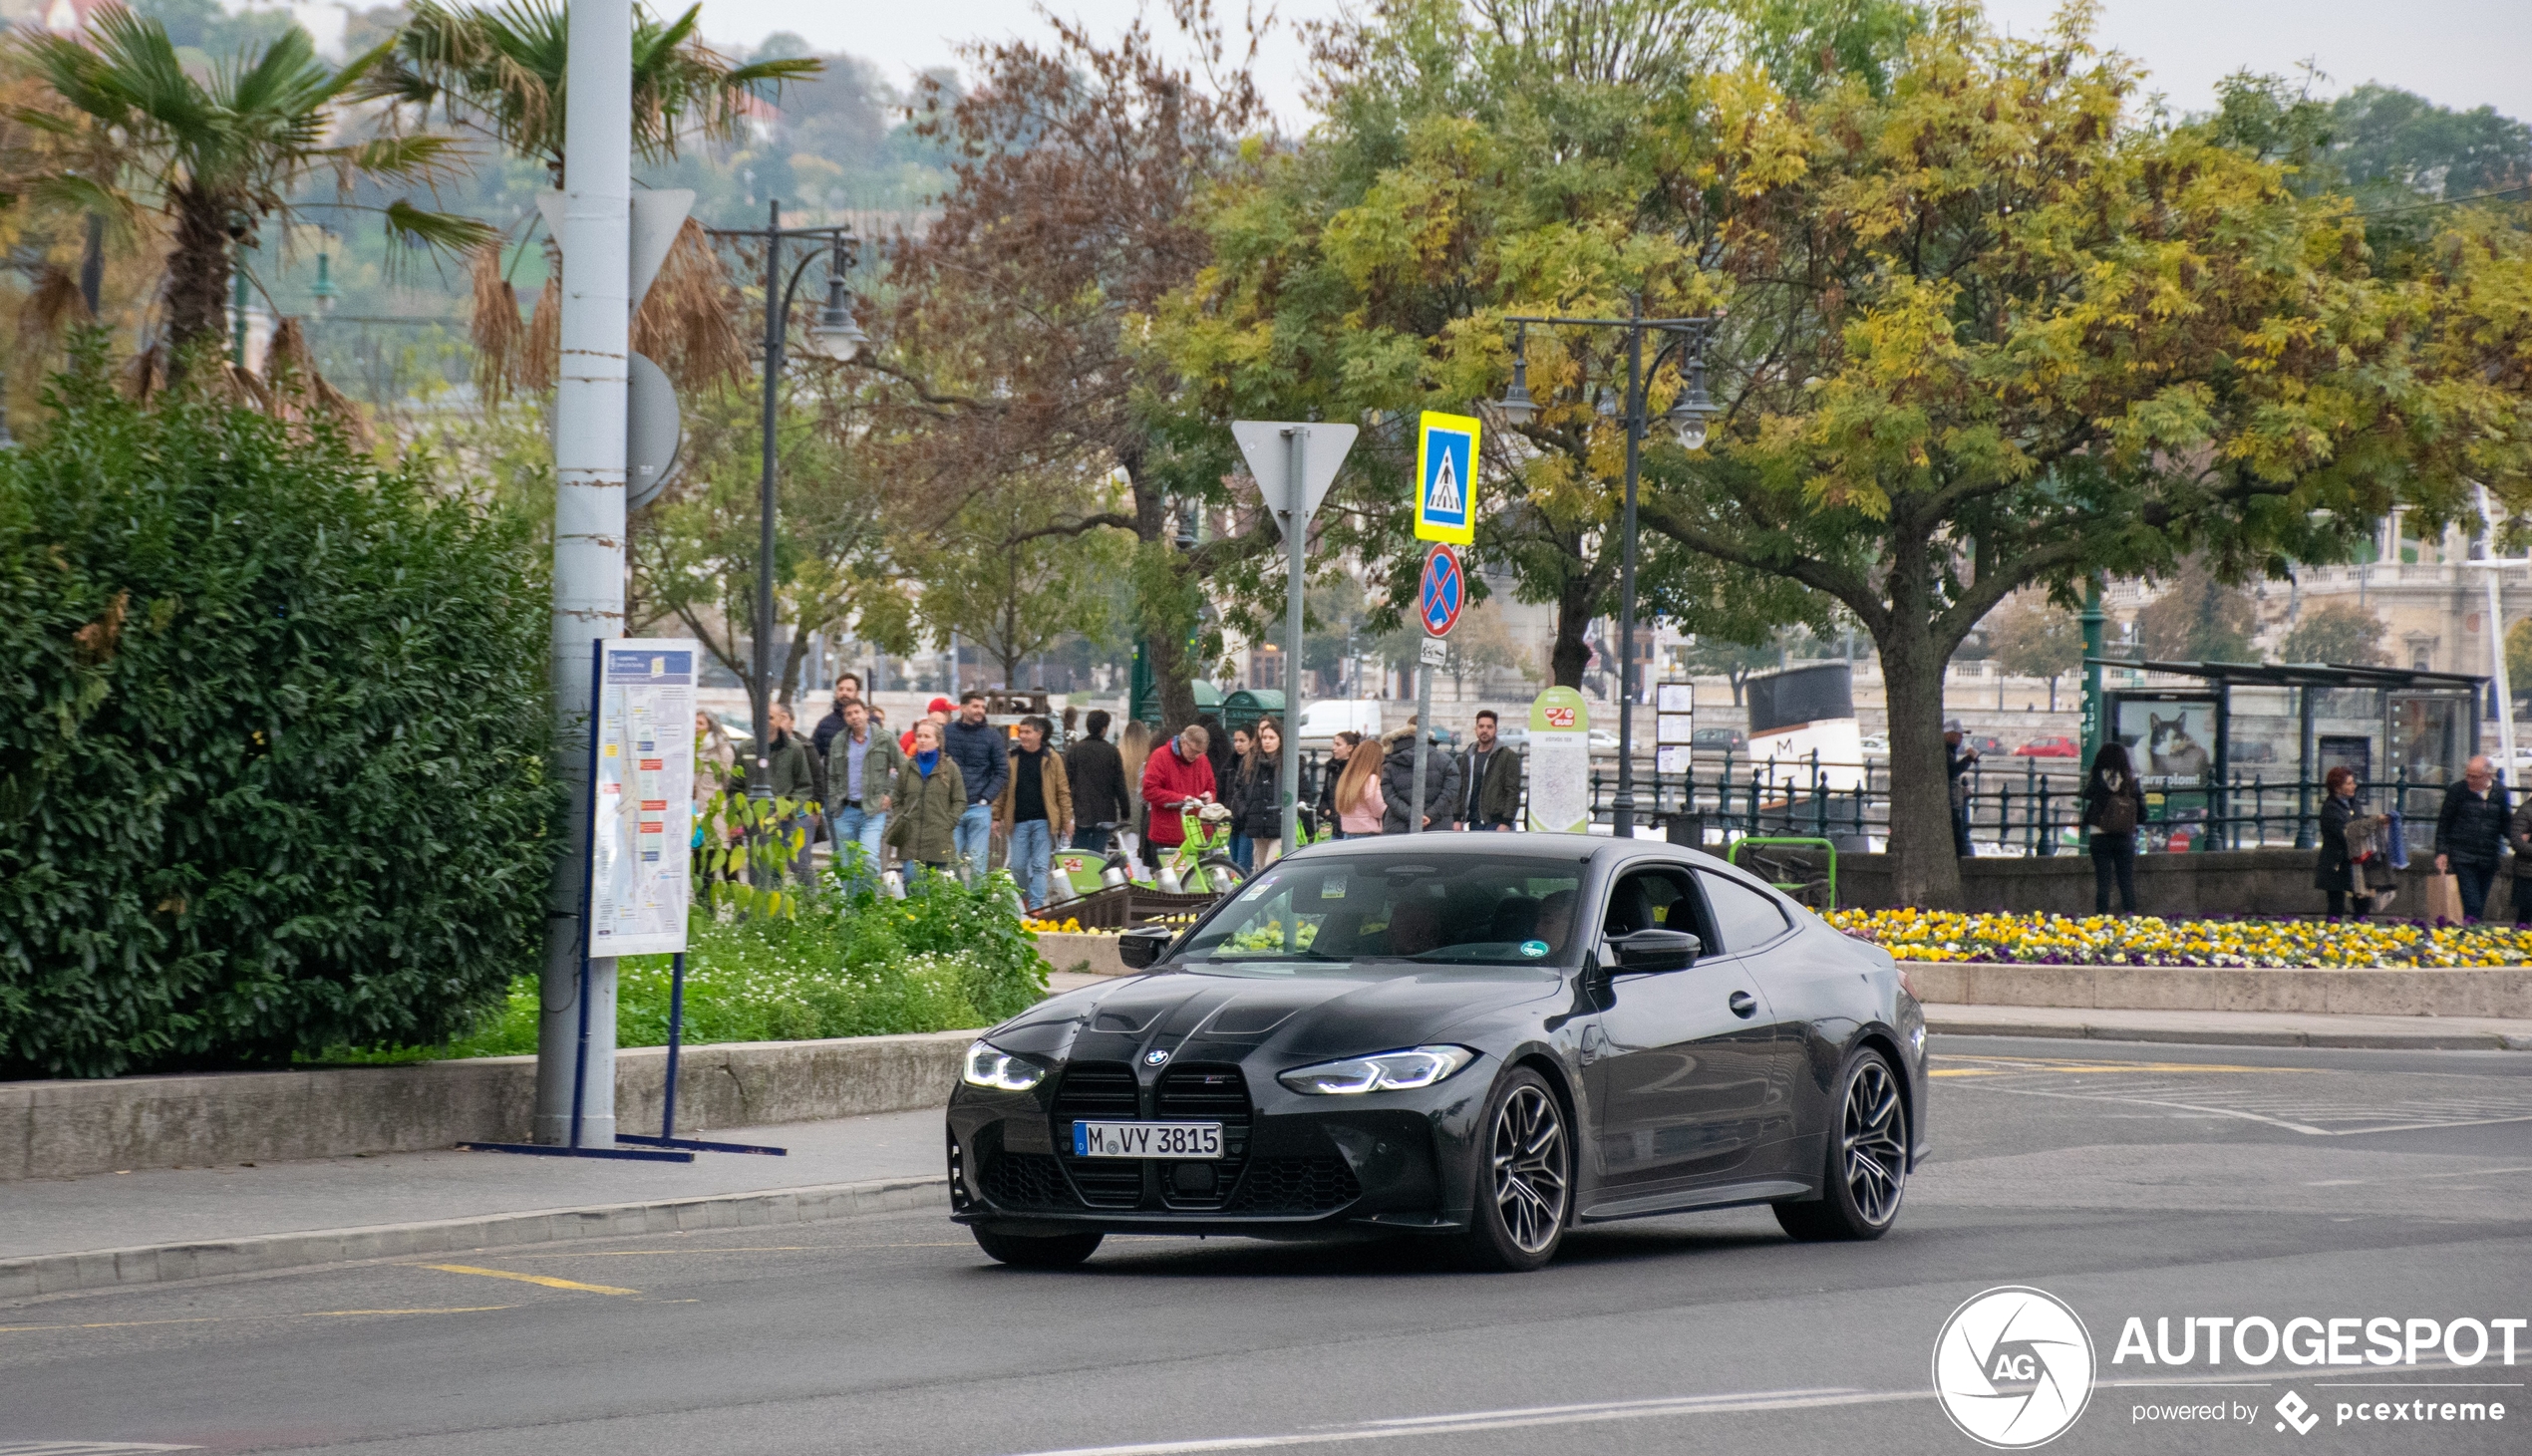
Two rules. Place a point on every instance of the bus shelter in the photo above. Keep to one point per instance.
(2224, 750)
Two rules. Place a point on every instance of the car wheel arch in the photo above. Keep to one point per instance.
(1880, 1039)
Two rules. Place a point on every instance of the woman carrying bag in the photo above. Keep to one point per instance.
(2113, 805)
(930, 796)
(2335, 870)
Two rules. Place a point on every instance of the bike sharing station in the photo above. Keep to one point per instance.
(637, 870)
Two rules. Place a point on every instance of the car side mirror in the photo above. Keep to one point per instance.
(1656, 950)
(1137, 949)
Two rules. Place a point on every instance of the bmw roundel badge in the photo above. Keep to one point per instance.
(1155, 1056)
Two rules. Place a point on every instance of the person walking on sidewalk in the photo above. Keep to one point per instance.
(939, 711)
(2471, 833)
(1398, 782)
(1356, 800)
(1176, 778)
(862, 764)
(1958, 759)
(848, 693)
(1257, 806)
(2113, 805)
(1097, 776)
(2334, 871)
(983, 754)
(1234, 781)
(1035, 807)
(929, 801)
(1492, 774)
(792, 772)
(1340, 753)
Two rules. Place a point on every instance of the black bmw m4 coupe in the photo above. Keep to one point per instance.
(1482, 1038)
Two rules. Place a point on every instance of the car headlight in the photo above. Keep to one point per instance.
(1385, 1071)
(989, 1066)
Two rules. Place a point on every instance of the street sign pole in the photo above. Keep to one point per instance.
(1440, 591)
(1293, 465)
(1423, 731)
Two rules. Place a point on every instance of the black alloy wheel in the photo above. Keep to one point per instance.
(1526, 1185)
(1058, 1251)
(1867, 1165)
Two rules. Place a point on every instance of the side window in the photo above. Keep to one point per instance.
(1743, 917)
(1651, 899)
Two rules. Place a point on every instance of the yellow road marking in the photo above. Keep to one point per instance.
(108, 1325)
(751, 1249)
(548, 1281)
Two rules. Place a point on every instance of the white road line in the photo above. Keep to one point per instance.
(83, 1448)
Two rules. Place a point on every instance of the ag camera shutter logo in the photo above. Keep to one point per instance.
(2013, 1367)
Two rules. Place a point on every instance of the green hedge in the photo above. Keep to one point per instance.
(271, 746)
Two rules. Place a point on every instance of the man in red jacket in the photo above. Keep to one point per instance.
(1176, 778)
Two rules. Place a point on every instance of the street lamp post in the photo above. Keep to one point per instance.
(834, 336)
(1688, 415)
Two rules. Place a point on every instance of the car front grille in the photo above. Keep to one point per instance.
(1100, 1091)
(1297, 1185)
(1026, 1181)
(1205, 1093)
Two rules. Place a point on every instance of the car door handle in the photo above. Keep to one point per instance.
(1744, 1004)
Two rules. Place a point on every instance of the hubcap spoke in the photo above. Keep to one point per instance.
(1528, 1161)
(1874, 1144)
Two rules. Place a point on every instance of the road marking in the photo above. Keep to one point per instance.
(2416, 1177)
(1612, 1411)
(751, 1249)
(103, 1324)
(83, 1448)
(448, 1310)
(2332, 1103)
(548, 1281)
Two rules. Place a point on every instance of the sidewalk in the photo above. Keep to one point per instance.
(2233, 1028)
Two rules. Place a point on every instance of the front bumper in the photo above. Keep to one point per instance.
(1294, 1165)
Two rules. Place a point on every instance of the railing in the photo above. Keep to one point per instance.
(2031, 808)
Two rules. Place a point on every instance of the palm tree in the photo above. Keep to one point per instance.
(500, 72)
(216, 155)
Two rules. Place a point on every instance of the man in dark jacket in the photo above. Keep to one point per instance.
(1398, 781)
(983, 756)
(2471, 833)
(1097, 773)
(1492, 775)
(848, 693)
(792, 772)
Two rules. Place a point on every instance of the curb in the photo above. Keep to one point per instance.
(1942, 1026)
(98, 1268)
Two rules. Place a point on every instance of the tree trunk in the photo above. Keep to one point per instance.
(1925, 869)
(1166, 638)
(197, 273)
(1572, 651)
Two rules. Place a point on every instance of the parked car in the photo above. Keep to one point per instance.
(1986, 746)
(1324, 720)
(1717, 740)
(1875, 745)
(2055, 746)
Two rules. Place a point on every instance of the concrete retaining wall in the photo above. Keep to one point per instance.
(61, 1129)
(2226, 882)
(1086, 951)
(2504, 992)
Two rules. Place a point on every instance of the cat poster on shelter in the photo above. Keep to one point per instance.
(2172, 743)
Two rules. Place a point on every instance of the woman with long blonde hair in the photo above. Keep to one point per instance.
(1360, 803)
(1134, 747)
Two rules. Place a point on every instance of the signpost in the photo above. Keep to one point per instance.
(1561, 763)
(1439, 594)
(1674, 727)
(1293, 465)
(1446, 478)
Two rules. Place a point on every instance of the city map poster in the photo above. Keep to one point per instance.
(1561, 763)
(641, 824)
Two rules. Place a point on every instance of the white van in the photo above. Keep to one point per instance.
(1321, 721)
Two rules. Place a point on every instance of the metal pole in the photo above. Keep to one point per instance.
(676, 1033)
(1622, 807)
(761, 666)
(1424, 743)
(1297, 450)
(2094, 622)
(2497, 641)
(589, 577)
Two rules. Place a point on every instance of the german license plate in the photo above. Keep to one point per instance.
(1146, 1139)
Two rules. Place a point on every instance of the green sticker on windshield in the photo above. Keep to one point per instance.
(1332, 889)
(1533, 947)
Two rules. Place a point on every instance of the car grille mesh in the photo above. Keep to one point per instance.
(1297, 1185)
(1026, 1181)
(1204, 1093)
(1098, 1091)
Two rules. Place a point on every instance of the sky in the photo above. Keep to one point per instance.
(2457, 53)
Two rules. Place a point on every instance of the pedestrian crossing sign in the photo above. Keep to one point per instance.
(1446, 479)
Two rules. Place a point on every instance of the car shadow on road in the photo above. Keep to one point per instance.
(1401, 1256)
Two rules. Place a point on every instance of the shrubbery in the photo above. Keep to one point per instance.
(272, 728)
(851, 962)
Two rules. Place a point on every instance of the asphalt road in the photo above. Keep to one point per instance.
(2128, 1181)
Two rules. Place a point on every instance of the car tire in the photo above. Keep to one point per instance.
(1524, 1177)
(1058, 1251)
(1864, 1172)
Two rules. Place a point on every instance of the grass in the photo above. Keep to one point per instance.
(850, 964)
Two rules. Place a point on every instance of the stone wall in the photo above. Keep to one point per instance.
(2224, 882)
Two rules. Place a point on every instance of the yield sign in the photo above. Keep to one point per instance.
(1441, 592)
(1268, 447)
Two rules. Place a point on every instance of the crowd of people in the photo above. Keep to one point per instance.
(938, 796)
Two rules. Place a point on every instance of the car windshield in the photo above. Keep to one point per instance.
(1438, 910)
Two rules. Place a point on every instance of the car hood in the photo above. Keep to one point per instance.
(1330, 1014)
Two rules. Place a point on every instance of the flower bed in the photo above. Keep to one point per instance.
(2107, 940)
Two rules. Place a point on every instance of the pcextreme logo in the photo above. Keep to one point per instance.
(2013, 1367)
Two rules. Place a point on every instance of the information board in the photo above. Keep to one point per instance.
(1561, 763)
(641, 826)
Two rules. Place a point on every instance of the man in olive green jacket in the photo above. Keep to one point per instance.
(862, 764)
(792, 770)
(929, 797)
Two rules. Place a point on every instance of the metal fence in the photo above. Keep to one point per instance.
(2031, 808)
